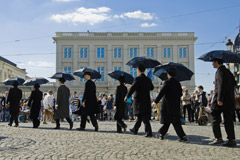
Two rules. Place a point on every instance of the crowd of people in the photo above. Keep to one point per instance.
(173, 105)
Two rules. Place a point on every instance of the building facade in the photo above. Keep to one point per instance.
(109, 51)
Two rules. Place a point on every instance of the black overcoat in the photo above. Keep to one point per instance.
(14, 97)
(224, 89)
(63, 95)
(120, 103)
(90, 99)
(35, 103)
(141, 88)
(171, 93)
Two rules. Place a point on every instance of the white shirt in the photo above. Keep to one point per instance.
(48, 101)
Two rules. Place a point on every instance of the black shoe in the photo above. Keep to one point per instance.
(183, 139)
(81, 129)
(133, 131)
(10, 124)
(125, 128)
(71, 126)
(159, 136)
(96, 128)
(57, 128)
(230, 143)
(217, 141)
(148, 135)
(16, 125)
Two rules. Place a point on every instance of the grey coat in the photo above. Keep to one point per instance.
(63, 95)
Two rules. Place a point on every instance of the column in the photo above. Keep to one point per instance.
(75, 58)
(92, 57)
(108, 65)
(175, 53)
(125, 57)
(191, 62)
(141, 50)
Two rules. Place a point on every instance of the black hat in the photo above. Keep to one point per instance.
(172, 72)
(62, 80)
(141, 68)
(87, 73)
(37, 86)
(15, 83)
(121, 79)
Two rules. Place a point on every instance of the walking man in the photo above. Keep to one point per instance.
(141, 88)
(62, 104)
(223, 102)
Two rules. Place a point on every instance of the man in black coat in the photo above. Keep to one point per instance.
(62, 104)
(171, 93)
(89, 103)
(13, 100)
(141, 88)
(223, 102)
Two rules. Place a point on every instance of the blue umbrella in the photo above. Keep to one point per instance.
(66, 76)
(147, 62)
(128, 78)
(11, 80)
(33, 81)
(182, 72)
(94, 74)
(226, 56)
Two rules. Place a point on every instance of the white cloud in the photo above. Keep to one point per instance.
(65, 0)
(136, 15)
(84, 15)
(37, 64)
(148, 25)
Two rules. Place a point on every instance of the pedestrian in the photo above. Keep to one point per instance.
(13, 101)
(89, 103)
(141, 88)
(128, 113)
(109, 109)
(120, 105)
(62, 104)
(48, 107)
(186, 102)
(223, 102)
(4, 115)
(35, 105)
(171, 93)
(195, 104)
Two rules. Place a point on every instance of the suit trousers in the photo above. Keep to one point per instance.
(120, 125)
(84, 119)
(36, 122)
(58, 121)
(14, 117)
(228, 123)
(177, 126)
(145, 118)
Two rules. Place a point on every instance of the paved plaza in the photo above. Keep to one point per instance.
(45, 143)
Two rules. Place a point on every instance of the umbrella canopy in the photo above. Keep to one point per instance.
(94, 74)
(66, 76)
(11, 80)
(226, 56)
(182, 72)
(128, 78)
(33, 81)
(147, 62)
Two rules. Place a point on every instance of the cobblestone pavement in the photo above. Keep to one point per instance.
(25, 142)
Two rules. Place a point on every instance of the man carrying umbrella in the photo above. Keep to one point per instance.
(13, 100)
(89, 103)
(223, 102)
(142, 86)
(62, 104)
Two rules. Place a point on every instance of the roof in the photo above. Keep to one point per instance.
(7, 61)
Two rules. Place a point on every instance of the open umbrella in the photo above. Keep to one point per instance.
(147, 62)
(182, 72)
(33, 81)
(66, 76)
(226, 56)
(94, 74)
(128, 78)
(11, 80)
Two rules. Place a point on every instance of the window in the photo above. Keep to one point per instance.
(117, 52)
(83, 52)
(133, 52)
(68, 70)
(150, 73)
(167, 52)
(150, 52)
(67, 52)
(101, 71)
(133, 72)
(183, 52)
(100, 52)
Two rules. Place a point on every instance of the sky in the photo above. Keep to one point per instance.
(27, 26)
